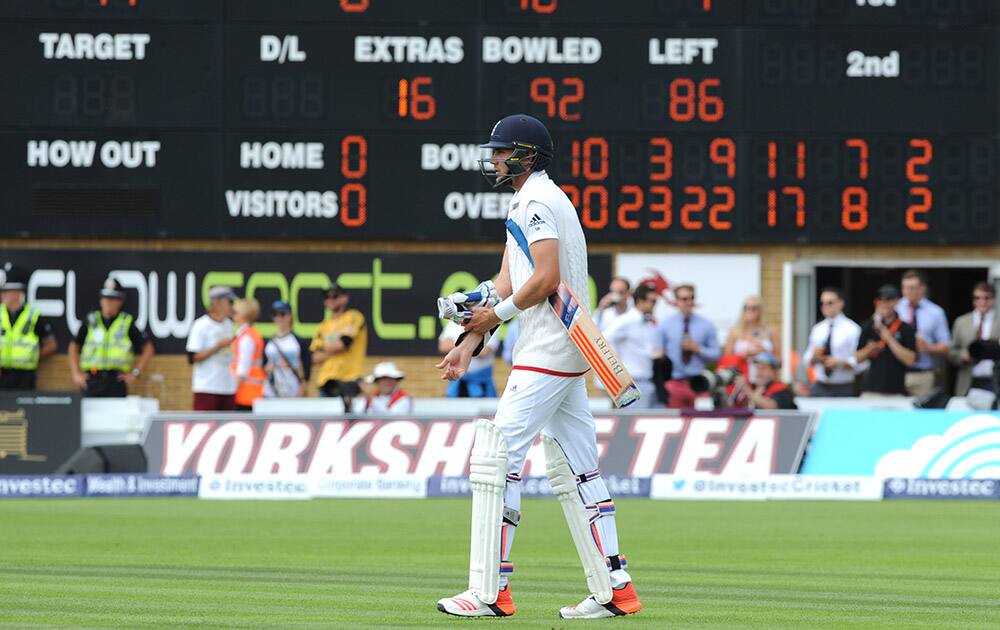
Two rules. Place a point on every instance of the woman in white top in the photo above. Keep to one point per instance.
(286, 358)
(751, 335)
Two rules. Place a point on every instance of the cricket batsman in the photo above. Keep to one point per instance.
(545, 393)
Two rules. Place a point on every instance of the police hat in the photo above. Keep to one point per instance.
(13, 278)
(113, 289)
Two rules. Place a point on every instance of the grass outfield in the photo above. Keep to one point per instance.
(149, 563)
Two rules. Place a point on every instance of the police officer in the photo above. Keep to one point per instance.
(25, 336)
(102, 354)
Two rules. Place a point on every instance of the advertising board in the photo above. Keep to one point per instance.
(918, 444)
(630, 444)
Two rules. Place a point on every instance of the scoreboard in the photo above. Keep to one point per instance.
(762, 121)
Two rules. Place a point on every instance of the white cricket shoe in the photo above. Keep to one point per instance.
(466, 604)
(624, 601)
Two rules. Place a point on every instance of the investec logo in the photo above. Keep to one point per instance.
(943, 487)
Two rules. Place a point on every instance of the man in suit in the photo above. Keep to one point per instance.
(980, 323)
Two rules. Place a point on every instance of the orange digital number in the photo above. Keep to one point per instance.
(800, 160)
(724, 207)
(926, 154)
(682, 97)
(543, 92)
(588, 219)
(664, 207)
(854, 208)
(694, 207)
(353, 145)
(414, 103)
(360, 205)
(862, 147)
(688, 101)
(583, 158)
(627, 208)
(539, 6)
(800, 205)
(916, 210)
(353, 6)
(663, 159)
(722, 151)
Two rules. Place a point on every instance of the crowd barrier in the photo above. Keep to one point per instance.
(841, 452)
(667, 487)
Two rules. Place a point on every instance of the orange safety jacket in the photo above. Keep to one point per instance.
(252, 386)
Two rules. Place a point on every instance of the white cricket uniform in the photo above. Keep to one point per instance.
(546, 391)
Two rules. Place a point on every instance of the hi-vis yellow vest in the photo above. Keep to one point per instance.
(19, 346)
(107, 348)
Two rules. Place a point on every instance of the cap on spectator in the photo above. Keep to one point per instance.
(386, 369)
(766, 357)
(888, 292)
(221, 293)
(335, 290)
(113, 289)
(281, 305)
(13, 278)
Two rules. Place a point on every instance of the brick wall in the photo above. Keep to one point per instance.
(169, 379)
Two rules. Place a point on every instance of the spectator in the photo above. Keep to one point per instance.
(980, 323)
(478, 379)
(25, 336)
(751, 335)
(689, 341)
(614, 304)
(384, 395)
(833, 343)
(248, 354)
(102, 355)
(637, 340)
(888, 345)
(931, 324)
(766, 392)
(209, 351)
(286, 357)
(339, 348)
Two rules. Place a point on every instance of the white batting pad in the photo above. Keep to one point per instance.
(563, 483)
(488, 476)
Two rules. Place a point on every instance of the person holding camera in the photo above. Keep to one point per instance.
(766, 392)
(689, 341)
(981, 323)
(888, 346)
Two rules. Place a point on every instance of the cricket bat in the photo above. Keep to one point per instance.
(599, 354)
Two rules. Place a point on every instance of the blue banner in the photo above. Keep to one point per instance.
(105, 485)
(926, 444)
(141, 485)
(619, 486)
(979, 489)
(38, 486)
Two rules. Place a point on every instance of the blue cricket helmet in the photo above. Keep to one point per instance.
(527, 137)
